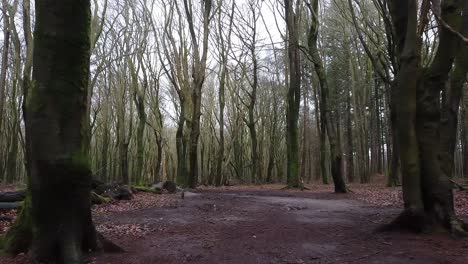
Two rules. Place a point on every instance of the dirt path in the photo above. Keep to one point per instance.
(273, 227)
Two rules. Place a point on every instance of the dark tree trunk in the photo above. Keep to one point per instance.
(60, 184)
(294, 97)
(451, 105)
(195, 134)
(325, 107)
(181, 146)
(323, 169)
(220, 158)
(123, 158)
(394, 172)
(104, 152)
(198, 78)
(427, 190)
(142, 119)
(158, 159)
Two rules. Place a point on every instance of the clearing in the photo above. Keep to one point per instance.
(265, 225)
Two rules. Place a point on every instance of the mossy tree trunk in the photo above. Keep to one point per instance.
(3, 74)
(224, 52)
(139, 100)
(427, 190)
(326, 113)
(12, 156)
(394, 170)
(294, 96)
(200, 56)
(451, 103)
(56, 223)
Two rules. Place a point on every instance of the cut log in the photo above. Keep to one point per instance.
(169, 186)
(10, 197)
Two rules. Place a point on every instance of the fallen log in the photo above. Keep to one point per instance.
(155, 190)
(99, 199)
(10, 205)
(10, 197)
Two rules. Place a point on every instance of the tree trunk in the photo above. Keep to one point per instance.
(220, 158)
(60, 186)
(394, 172)
(3, 73)
(427, 190)
(325, 107)
(139, 102)
(198, 78)
(294, 97)
(451, 105)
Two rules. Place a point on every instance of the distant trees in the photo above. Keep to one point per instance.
(213, 92)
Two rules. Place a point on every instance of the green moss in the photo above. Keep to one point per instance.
(80, 160)
(33, 102)
(99, 199)
(19, 236)
(147, 189)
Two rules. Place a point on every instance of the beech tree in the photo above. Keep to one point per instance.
(60, 176)
(427, 189)
(294, 94)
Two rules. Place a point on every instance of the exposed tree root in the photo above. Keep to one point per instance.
(409, 220)
(418, 221)
(19, 236)
(105, 245)
(19, 239)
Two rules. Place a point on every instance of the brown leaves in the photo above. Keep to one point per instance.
(119, 230)
(141, 200)
(6, 218)
(377, 194)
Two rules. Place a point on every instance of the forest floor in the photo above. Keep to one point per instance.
(265, 224)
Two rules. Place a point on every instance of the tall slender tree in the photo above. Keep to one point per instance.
(326, 111)
(294, 94)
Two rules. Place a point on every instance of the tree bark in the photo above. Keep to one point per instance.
(3, 73)
(427, 190)
(198, 78)
(294, 97)
(325, 107)
(60, 185)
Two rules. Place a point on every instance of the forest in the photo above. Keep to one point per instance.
(233, 131)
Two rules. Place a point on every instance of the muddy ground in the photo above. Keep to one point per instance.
(270, 227)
